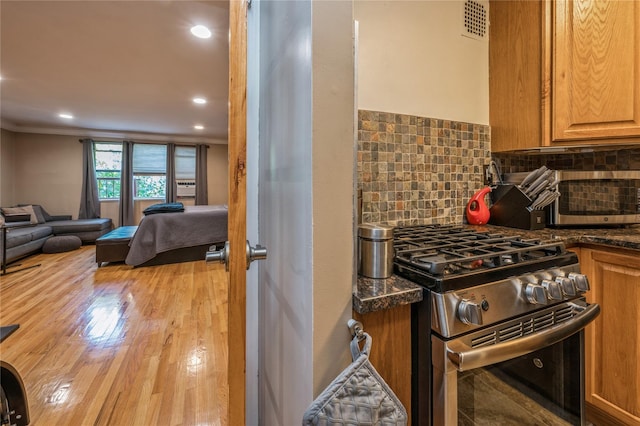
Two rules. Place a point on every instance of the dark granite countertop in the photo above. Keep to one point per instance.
(377, 294)
(374, 295)
(620, 237)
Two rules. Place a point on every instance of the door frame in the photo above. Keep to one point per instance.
(237, 234)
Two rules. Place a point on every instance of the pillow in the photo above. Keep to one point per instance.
(25, 210)
(164, 208)
(1, 220)
(18, 217)
(39, 214)
(38, 210)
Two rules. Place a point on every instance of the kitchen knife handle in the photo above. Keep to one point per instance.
(539, 184)
(532, 176)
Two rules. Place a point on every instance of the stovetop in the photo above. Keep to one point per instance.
(444, 258)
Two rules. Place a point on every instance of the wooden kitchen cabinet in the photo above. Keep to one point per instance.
(563, 73)
(515, 74)
(612, 347)
(595, 80)
(390, 331)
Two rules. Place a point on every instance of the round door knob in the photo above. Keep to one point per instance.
(255, 253)
(470, 312)
(221, 256)
(536, 294)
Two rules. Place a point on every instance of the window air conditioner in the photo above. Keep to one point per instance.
(186, 188)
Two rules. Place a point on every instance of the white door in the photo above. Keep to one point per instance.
(302, 69)
(296, 171)
(253, 98)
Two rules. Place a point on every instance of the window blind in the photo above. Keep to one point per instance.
(149, 159)
(185, 162)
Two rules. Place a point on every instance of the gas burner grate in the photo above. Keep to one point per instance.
(443, 258)
(443, 251)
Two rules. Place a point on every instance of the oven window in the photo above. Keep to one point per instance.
(599, 197)
(540, 388)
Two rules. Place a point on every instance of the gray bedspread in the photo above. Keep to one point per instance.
(158, 233)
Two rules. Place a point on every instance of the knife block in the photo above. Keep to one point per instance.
(509, 208)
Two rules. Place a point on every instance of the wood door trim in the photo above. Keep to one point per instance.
(237, 210)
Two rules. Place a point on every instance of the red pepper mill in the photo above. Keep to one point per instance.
(477, 210)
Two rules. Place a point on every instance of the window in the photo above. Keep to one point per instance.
(185, 162)
(108, 160)
(149, 171)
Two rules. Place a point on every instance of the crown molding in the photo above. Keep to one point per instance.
(95, 134)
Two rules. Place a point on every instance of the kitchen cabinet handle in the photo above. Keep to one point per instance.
(465, 358)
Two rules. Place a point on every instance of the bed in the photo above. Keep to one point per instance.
(178, 237)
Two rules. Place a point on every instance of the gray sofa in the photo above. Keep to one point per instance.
(26, 234)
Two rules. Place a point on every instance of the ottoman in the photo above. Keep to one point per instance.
(61, 243)
(114, 246)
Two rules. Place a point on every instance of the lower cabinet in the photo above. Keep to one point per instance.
(390, 331)
(612, 350)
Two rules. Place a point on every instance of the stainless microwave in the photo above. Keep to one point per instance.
(596, 197)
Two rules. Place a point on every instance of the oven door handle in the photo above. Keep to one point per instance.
(465, 358)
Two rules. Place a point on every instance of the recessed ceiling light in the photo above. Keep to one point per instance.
(66, 116)
(201, 31)
(198, 127)
(200, 101)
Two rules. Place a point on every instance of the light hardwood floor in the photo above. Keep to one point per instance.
(117, 345)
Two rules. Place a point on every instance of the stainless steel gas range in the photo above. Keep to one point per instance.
(498, 337)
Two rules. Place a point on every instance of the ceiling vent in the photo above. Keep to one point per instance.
(475, 19)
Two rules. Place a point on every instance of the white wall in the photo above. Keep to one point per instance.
(305, 200)
(414, 60)
(333, 160)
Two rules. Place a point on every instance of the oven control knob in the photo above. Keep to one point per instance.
(553, 289)
(580, 281)
(470, 312)
(536, 294)
(568, 289)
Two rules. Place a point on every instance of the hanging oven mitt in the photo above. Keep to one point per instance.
(358, 396)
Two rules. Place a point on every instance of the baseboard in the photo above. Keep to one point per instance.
(598, 417)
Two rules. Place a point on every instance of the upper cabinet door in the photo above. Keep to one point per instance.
(595, 70)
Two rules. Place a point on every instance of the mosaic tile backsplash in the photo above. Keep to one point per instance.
(418, 170)
(586, 158)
